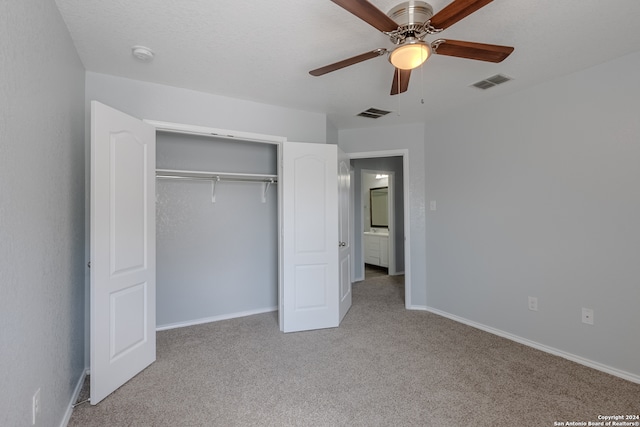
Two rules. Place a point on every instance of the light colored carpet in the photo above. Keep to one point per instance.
(384, 366)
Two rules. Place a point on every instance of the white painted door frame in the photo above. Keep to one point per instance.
(278, 141)
(404, 153)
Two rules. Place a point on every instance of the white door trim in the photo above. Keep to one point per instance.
(214, 132)
(404, 153)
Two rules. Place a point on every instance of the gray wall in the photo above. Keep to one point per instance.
(410, 137)
(41, 213)
(214, 259)
(392, 164)
(538, 194)
(159, 102)
(332, 134)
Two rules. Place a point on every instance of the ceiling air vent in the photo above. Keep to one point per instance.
(373, 113)
(492, 81)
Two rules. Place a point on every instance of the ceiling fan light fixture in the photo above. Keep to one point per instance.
(410, 55)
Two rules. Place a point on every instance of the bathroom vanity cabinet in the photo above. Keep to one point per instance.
(376, 248)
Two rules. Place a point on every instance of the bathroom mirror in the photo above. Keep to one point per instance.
(379, 199)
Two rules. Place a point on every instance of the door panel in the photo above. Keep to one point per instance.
(310, 286)
(310, 203)
(344, 230)
(313, 296)
(127, 232)
(128, 308)
(122, 300)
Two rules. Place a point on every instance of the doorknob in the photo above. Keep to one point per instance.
(342, 244)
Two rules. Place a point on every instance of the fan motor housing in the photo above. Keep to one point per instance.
(411, 12)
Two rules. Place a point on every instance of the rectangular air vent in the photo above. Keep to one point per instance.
(373, 113)
(492, 81)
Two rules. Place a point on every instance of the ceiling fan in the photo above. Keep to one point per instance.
(407, 24)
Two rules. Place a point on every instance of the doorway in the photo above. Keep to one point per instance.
(395, 164)
(216, 210)
(378, 222)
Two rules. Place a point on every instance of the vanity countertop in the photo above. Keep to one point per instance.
(377, 233)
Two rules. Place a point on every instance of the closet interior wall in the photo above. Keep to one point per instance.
(214, 260)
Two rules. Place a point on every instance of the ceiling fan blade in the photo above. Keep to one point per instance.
(368, 13)
(400, 81)
(346, 62)
(470, 50)
(455, 11)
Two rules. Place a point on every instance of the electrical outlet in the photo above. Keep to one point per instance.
(533, 303)
(587, 316)
(432, 205)
(35, 406)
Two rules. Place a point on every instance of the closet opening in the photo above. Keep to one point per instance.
(217, 248)
(190, 225)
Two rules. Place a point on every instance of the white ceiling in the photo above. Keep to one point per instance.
(263, 50)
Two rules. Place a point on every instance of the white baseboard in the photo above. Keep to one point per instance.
(551, 350)
(74, 399)
(215, 318)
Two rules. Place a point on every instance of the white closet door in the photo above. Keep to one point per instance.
(310, 292)
(122, 302)
(344, 229)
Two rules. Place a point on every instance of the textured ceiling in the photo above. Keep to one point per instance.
(263, 50)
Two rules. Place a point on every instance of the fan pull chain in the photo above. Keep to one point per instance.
(398, 94)
(422, 84)
(422, 80)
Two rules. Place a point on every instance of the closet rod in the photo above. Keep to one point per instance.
(220, 178)
(217, 176)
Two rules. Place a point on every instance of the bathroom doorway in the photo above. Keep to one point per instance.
(378, 226)
(379, 216)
